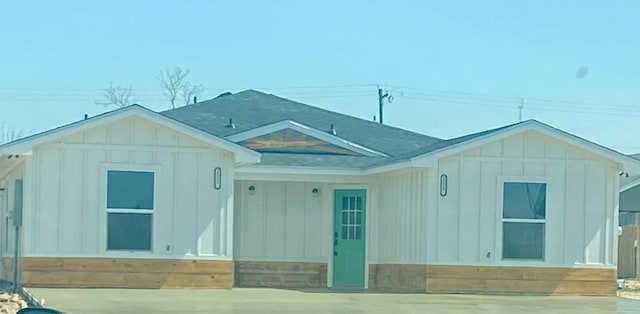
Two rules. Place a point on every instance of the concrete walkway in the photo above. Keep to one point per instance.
(248, 301)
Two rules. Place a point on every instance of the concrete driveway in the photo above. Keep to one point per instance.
(248, 301)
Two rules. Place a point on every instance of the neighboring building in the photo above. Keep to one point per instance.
(630, 199)
(255, 190)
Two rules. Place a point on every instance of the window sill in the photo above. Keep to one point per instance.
(522, 262)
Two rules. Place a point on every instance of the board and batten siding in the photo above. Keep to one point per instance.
(67, 200)
(282, 221)
(464, 227)
(401, 231)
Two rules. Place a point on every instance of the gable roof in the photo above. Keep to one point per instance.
(321, 136)
(251, 109)
(430, 154)
(26, 144)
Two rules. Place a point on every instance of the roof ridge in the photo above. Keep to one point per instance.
(319, 109)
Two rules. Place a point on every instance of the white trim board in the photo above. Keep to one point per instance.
(25, 145)
(323, 136)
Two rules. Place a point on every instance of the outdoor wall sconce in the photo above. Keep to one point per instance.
(315, 192)
(443, 185)
(252, 190)
(217, 178)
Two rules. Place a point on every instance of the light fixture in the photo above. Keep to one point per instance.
(315, 192)
(252, 190)
(217, 178)
(443, 185)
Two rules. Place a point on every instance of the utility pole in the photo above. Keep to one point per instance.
(520, 107)
(381, 98)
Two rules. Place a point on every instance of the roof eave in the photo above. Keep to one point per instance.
(628, 164)
(25, 145)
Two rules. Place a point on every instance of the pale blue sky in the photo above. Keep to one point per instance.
(55, 56)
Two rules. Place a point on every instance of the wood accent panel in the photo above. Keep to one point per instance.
(280, 274)
(520, 280)
(126, 273)
(397, 277)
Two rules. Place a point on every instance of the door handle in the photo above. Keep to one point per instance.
(335, 253)
(335, 242)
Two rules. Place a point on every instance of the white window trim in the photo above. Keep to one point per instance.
(104, 170)
(500, 220)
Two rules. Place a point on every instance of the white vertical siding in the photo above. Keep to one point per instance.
(68, 199)
(282, 221)
(581, 200)
(401, 217)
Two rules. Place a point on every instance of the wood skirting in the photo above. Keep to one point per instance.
(397, 277)
(521, 280)
(280, 274)
(126, 273)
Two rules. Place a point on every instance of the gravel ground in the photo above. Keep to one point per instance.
(10, 302)
(630, 289)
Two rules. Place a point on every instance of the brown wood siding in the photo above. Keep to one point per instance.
(126, 273)
(520, 280)
(280, 274)
(397, 277)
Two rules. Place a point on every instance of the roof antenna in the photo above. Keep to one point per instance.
(230, 124)
(333, 131)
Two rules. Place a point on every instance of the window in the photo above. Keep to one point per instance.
(129, 210)
(523, 220)
(352, 217)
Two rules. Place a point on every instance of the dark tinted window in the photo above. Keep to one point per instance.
(130, 189)
(523, 240)
(129, 231)
(524, 200)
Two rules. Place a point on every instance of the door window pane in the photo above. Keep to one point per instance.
(129, 190)
(523, 240)
(128, 231)
(524, 200)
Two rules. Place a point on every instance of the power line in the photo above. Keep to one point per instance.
(89, 95)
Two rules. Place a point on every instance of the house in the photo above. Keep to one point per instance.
(251, 189)
(630, 199)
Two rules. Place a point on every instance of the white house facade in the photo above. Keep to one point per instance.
(255, 190)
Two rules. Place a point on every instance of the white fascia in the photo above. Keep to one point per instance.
(324, 136)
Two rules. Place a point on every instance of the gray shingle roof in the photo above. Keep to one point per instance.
(251, 109)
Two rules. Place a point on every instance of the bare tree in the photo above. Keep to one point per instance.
(174, 84)
(118, 96)
(8, 134)
(189, 91)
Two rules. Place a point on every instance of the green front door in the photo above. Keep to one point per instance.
(348, 238)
